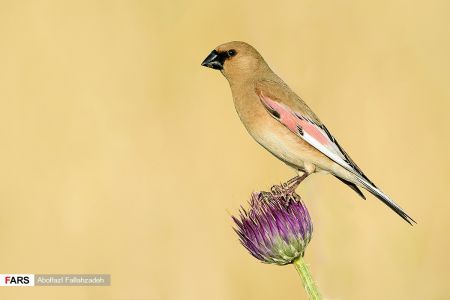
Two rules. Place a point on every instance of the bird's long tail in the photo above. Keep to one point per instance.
(386, 200)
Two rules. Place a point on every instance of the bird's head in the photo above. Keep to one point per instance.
(236, 60)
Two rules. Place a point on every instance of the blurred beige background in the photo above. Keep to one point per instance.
(121, 155)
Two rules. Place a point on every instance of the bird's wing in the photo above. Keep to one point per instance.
(309, 128)
(292, 112)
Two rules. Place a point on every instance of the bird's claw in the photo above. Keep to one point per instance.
(287, 187)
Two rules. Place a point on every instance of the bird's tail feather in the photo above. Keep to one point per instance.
(352, 186)
(386, 200)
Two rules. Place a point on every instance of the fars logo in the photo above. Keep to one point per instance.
(16, 280)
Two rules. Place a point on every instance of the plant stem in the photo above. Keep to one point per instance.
(308, 283)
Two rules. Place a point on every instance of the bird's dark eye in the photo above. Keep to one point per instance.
(231, 53)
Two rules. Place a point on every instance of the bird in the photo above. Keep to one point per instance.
(281, 122)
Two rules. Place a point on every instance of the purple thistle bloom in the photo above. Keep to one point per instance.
(277, 227)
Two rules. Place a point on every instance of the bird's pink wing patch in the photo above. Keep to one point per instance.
(294, 120)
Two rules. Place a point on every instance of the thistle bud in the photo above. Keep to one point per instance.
(276, 228)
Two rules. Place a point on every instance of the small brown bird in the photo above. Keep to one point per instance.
(283, 124)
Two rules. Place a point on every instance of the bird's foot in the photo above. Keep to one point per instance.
(289, 186)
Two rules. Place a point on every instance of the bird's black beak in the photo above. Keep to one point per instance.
(214, 61)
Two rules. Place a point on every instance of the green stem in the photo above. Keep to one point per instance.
(308, 283)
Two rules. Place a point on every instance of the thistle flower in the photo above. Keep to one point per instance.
(276, 229)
